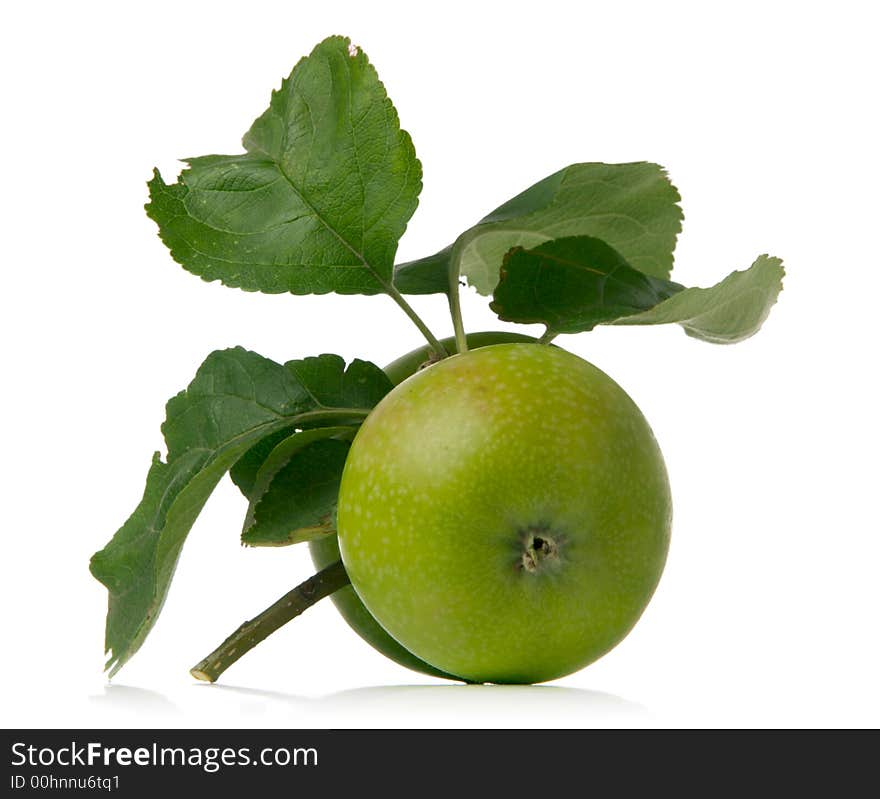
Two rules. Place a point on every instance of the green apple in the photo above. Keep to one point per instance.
(325, 551)
(505, 514)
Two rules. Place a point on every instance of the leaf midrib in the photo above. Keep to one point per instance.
(335, 233)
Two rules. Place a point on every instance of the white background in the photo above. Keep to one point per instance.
(765, 115)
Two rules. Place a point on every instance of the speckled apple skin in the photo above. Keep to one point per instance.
(453, 469)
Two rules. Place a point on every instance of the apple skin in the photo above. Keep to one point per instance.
(505, 514)
(412, 362)
(325, 551)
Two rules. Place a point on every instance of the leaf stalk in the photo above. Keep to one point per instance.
(454, 295)
(416, 319)
(461, 344)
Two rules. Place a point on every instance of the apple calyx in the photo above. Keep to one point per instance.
(540, 550)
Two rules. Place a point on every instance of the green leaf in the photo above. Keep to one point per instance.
(295, 494)
(330, 385)
(728, 312)
(632, 207)
(236, 399)
(573, 284)
(244, 471)
(319, 200)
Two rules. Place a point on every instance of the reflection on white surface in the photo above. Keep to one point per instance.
(405, 706)
(138, 700)
(519, 705)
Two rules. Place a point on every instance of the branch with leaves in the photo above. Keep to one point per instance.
(317, 203)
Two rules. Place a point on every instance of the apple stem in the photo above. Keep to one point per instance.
(252, 632)
(547, 337)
